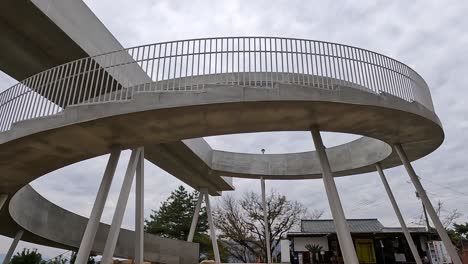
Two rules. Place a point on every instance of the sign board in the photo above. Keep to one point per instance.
(437, 253)
(285, 255)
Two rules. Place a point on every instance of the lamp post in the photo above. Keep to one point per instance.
(265, 218)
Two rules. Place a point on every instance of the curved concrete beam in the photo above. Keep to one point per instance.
(225, 110)
(354, 155)
(45, 219)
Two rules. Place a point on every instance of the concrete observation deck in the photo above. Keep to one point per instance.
(167, 96)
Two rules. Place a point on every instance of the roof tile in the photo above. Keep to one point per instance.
(355, 226)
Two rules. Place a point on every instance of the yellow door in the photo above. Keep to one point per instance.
(365, 250)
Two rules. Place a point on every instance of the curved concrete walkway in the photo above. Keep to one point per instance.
(160, 118)
(43, 145)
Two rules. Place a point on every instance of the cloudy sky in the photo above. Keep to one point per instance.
(430, 36)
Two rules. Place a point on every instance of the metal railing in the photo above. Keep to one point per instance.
(189, 65)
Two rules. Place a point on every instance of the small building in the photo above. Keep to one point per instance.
(374, 243)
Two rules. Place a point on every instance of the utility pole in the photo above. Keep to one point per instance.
(428, 226)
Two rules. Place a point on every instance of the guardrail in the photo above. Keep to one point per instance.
(192, 64)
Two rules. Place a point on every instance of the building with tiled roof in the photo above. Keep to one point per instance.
(374, 242)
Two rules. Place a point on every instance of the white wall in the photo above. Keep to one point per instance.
(301, 242)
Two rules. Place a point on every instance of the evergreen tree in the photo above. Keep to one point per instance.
(458, 234)
(27, 257)
(174, 217)
(58, 260)
(91, 259)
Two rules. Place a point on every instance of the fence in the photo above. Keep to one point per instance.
(192, 64)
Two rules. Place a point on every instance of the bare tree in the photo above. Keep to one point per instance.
(242, 225)
(446, 217)
(230, 220)
(314, 214)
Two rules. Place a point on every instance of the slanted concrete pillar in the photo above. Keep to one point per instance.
(265, 219)
(196, 215)
(114, 230)
(342, 229)
(214, 241)
(139, 209)
(406, 232)
(3, 198)
(12, 248)
(96, 213)
(427, 203)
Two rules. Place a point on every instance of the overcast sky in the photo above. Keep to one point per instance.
(430, 36)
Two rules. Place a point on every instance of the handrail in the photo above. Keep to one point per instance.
(192, 64)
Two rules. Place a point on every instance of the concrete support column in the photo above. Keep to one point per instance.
(96, 213)
(139, 209)
(427, 203)
(3, 198)
(406, 232)
(12, 248)
(342, 229)
(265, 219)
(196, 215)
(214, 241)
(114, 230)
